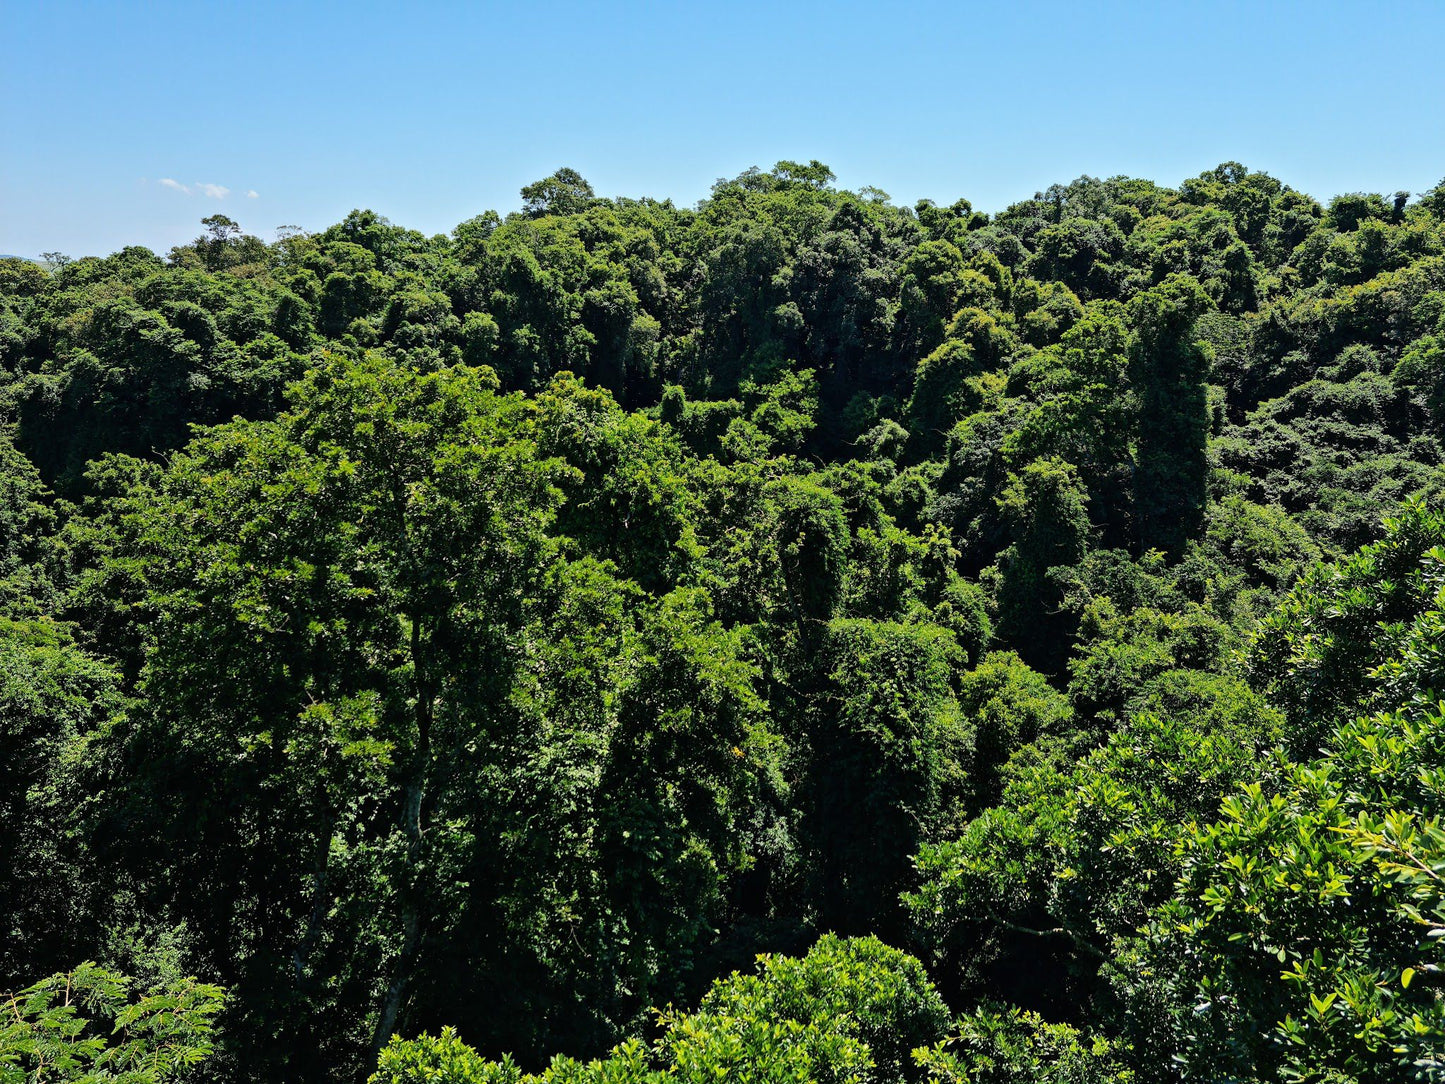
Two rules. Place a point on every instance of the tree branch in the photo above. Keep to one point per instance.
(1058, 931)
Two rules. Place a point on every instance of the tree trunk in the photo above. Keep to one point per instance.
(396, 991)
(412, 895)
(320, 882)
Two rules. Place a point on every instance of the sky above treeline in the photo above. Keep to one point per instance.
(126, 123)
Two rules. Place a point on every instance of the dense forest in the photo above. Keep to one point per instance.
(793, 638)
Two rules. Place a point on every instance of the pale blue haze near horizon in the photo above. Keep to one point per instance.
(430, 113)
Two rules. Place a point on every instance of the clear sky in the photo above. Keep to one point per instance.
(126, 123)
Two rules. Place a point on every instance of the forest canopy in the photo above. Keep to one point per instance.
(792, 638)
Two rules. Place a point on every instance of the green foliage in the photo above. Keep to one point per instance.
(1121, 657)
(849, 1011)
(517, 630)
(1309, 909)
(1013, 1047)
(1422, 371)
(1334, 647)
(1304, 913)
(1074, 855)
(1008, 705)
(1044, 508)
(889, 738)
(565, 192)
(26, 524)
(86, 1026)
(55, 699)
(1169, 368)
(811, 541)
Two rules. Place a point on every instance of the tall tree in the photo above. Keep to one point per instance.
(1168, 370)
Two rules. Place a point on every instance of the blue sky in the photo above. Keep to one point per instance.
(431, 112)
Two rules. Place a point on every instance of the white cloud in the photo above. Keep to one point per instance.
(253, 194)
(166, 182)
(214, 191)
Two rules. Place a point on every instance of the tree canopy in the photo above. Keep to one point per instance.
(791, 638)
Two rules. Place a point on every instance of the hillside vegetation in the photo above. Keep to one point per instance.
(795, 638)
